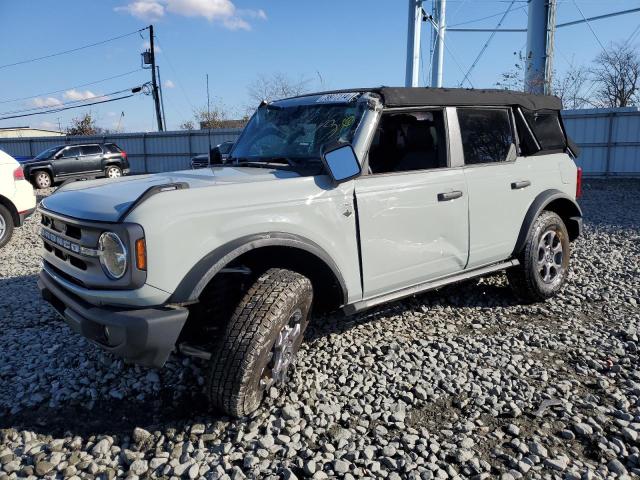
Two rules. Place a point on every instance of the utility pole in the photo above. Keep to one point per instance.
(164, 116)
(413, 43)
(154, 83)
(437, 64)
(539, 55)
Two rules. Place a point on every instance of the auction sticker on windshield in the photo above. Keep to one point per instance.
(337, 97)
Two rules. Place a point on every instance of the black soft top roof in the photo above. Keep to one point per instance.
(415, 96)
(455, 97)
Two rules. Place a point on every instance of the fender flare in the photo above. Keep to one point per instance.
(46, 167)
(194, 282)
(572, 213)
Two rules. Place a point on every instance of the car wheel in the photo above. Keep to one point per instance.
(544, 261)
(42, 179)
(260, 342)
(6, 226)
(113, 171)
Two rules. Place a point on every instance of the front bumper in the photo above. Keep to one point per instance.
(142, 336)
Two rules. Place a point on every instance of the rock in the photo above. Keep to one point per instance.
(103, 447)
(340, 466)
(583, 429)
(42, 468)
(138, 467)
(617, 467)
(140, 435)
(559, 464)
(290, 412)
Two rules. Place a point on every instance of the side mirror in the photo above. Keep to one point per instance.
(341, 162)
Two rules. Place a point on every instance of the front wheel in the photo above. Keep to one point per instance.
(260, 342)
(113, 171)
(544, 261)
(6, 226)
(42, 179)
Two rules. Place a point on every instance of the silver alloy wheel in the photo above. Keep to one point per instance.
(283, 353)
(113, 172)
(43, 180)
(3, 227)
(550, 256)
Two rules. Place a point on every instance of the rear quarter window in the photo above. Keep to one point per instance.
(112, 148)
(546, 127)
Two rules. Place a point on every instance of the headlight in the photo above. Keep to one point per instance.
(113, 255)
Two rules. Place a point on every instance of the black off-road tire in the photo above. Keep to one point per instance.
(526, 279)
(42, 179)
(245, 351)
(6, 221)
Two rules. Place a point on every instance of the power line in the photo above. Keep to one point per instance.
(68, 108)
(66, 103)
(486, 44)
(484, 18)
(589, 25)
(71, 88)
(72, 50)
(177, 77)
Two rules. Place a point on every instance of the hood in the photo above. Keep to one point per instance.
(109, 200)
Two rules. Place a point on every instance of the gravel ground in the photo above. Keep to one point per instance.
(463, 382)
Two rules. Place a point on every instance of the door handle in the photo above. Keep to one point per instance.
(520, 184)
(446, 196)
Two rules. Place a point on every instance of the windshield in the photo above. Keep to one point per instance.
(297, 132)
(225, 147)
(47, 153)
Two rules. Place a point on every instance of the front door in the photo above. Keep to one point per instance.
(68, 163)
(412, 205)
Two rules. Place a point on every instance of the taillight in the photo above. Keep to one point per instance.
(18, 174)
(579, 183)
(124, 154)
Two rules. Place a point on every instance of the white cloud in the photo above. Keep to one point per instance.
(45, 102)
(150, 10)
(74, 94)
(169, 84)
(223, 11)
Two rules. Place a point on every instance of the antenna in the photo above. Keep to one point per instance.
(208, 122)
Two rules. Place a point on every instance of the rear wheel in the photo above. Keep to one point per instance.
(260, 342)
(42, 179)
(6, 226)
(113, 171)
(544, 261)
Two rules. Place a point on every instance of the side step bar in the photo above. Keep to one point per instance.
(426, 286)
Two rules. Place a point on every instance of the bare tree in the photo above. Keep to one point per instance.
(188, 125)
(616, 74)
(275, 86)
(570, 87)
(85, 124)
(214, 117)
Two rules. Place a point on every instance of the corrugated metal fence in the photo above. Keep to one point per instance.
(609, 139)
(147, 152)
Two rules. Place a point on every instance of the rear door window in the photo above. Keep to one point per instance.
(112, 148)
(91, 150)
(487, 135)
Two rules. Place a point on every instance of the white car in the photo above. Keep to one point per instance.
(17, 198)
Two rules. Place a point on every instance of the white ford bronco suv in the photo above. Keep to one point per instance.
(335, 200)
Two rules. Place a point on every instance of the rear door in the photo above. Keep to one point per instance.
(412, 204)
(499, 181)
(91, 158)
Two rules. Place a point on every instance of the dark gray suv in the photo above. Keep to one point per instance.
(63, 162)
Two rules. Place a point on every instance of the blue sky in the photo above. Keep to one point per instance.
(347, 43)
